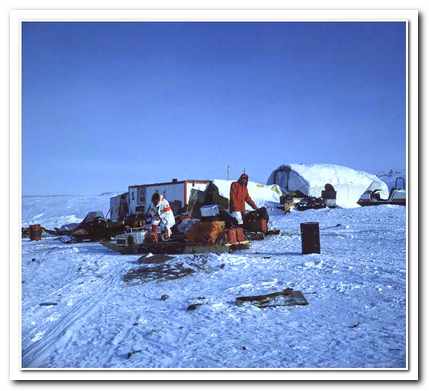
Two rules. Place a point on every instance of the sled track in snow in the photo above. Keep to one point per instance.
(33, 354)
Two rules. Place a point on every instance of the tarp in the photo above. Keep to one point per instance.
(260, 193)
(310, 180)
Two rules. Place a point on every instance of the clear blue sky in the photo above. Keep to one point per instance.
(106, 105)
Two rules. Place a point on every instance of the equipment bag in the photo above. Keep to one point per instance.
(205, 232)
(257, 220)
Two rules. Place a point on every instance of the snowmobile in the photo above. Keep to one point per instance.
(93, 227)
(310, 203)
(397, 196)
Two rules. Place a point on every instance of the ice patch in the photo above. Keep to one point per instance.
(270, 284)
(53, 317)
(38, 336)
(218, 306)
(313, 264)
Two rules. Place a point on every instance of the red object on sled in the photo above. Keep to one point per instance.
(154, 234)
(35, 232)
(234, 235)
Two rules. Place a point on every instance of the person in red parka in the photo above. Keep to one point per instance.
(238, 197)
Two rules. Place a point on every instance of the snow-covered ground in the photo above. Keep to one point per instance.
(355, 288)
(55, 211)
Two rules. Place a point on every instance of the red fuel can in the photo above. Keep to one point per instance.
(35, 232)
(231, 236)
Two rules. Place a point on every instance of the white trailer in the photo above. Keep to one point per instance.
(176, 192)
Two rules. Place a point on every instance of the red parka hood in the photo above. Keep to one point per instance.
(244, 179)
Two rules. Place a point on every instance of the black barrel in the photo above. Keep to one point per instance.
(310, 238)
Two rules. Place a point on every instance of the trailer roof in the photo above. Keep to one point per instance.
(172, 182)
(120, 195)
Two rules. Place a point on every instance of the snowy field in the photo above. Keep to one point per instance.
(91, 318)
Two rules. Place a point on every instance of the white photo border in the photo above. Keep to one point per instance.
(17, 17)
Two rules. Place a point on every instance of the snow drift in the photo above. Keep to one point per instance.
(260, 193)
(311, 179)
(63, 209)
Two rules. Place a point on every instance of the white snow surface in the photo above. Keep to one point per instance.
(350, 184)
(356, 316)
(261, 194)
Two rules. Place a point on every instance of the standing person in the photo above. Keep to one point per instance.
(238, 197)
(329, 195)
(161, 215)
(287, 201)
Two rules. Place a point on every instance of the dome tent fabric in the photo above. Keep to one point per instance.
(310, 179)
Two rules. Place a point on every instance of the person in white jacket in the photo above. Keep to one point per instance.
(161, 214)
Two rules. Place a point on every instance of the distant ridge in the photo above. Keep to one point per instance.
(71, 195)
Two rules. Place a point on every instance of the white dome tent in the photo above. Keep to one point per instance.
(310, 179)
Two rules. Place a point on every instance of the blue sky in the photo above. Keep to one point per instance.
(106, 105)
